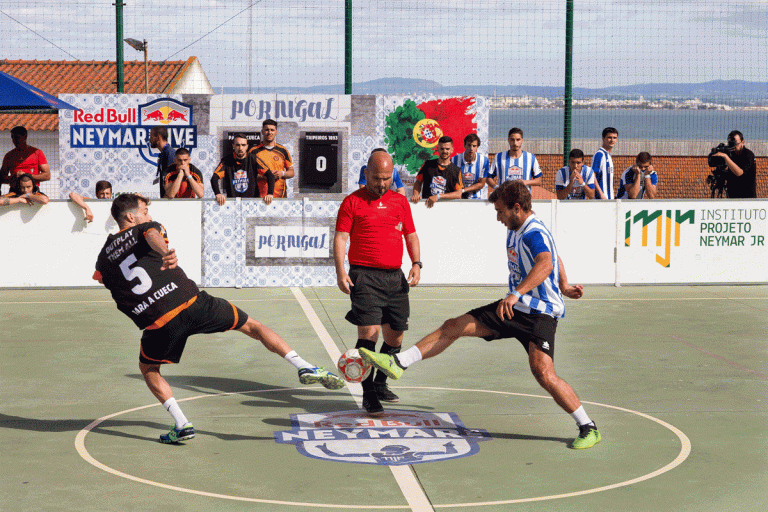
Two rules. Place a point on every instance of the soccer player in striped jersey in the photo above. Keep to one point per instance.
(639, 181)
(515, 164)
(575, 180)
(602, 165)
(529, 312)
(474, 168)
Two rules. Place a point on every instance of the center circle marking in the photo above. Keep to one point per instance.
(685, 450)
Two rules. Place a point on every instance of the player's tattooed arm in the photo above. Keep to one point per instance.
(157, 243)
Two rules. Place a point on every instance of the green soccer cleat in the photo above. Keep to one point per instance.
(384, 362)
(321, 375)
(588, 437)
(175, 435)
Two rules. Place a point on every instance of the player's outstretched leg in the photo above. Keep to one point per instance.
(429, 346)
(308, 373)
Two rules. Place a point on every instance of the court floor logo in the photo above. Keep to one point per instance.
(399, 438)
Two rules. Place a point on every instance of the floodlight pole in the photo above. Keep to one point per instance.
(119, 32)
(568, 94)
(146, 69)
(347, 46)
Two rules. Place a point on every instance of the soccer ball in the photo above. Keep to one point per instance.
(352, 366)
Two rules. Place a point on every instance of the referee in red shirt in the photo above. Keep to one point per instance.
(375, 219)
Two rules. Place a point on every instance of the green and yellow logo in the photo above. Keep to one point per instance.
(663, 220)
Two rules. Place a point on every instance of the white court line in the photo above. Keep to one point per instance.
(409, 485)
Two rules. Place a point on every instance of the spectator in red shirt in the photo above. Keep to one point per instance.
(24, 159)
(375, 220)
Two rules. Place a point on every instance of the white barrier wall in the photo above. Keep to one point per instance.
(289, 243)
(53, 246)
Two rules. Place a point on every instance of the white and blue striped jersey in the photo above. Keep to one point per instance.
(471, 172)
(506, 168)
(628, 177)
(602, 166)
(563, 179)
(523, 246)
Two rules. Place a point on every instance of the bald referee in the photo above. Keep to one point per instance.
(375, 219)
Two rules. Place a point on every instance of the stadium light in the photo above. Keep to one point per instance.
(141, 46)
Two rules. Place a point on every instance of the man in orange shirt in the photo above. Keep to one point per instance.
(24, 159)
(271, 156)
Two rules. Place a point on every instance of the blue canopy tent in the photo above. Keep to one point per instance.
(19, 97)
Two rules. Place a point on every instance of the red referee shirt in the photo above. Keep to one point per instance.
(376, 228)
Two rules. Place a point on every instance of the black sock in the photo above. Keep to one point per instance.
(381, 377)
(368, 345)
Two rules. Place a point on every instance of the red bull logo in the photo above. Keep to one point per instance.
(166, 112)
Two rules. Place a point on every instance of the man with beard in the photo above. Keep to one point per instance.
(236, 174)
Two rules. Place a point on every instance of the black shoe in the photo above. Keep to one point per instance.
(384, 394)
(371, 403)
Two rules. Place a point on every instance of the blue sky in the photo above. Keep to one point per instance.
(301, 43)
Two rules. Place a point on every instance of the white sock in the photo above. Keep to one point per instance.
(173, 408)
(410, 356)
(581, 417)
(296, 360)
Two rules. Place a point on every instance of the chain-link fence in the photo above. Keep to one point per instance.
(673, 77)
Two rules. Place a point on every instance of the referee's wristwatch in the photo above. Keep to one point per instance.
(420, 264)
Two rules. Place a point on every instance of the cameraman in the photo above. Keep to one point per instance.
(740, 181)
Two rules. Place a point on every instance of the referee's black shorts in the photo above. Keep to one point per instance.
(379, 296)
(525, 327)
(206, 315)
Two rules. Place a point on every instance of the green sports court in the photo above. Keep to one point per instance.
(674, 376)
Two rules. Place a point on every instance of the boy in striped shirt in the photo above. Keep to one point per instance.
(529, 312)
(515, 164)
(575, 180)
(474, 168)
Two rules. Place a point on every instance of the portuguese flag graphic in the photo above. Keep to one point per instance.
(413, 129)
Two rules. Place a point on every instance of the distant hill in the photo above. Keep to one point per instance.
(724, 91)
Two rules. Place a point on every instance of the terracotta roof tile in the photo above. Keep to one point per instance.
(86, 77)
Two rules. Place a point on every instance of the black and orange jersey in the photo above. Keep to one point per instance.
(276, 158)
(130, 269)
(184, 190)
(438, 179)
(237, 178)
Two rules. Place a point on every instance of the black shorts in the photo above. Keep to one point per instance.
(379, 296)
(206, 315)
(526, 327)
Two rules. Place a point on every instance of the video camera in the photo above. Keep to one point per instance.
(718, 161)
(717, 178)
